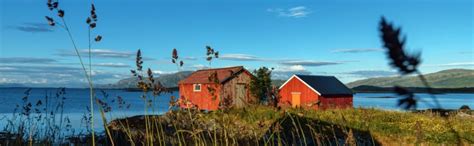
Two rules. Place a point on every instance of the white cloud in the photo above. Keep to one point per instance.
(199, 66)
(356, 50)
(239, 57)
(26, 60)
(116, 65)
(191, 58)
(372, 73)
(290, 68)
(284, 72)
(104, 53)
(295, 12)
(54, 76)
(454, 64)
(309, 63)
(159, 72)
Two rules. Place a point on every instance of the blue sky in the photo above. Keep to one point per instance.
(332, 37)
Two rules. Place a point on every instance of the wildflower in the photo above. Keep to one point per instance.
(50, 20)
(61, 13)
(139, 61)
(175, 54)
(50, 6)
(94, 16)
(134, 73)
(92, 25)
(88, 20)
(92, 7)
(209, 50)
(150, 75)
(55, 5)
(98, 38)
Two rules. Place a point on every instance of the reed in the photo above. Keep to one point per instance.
(53, 6)
(255, 125)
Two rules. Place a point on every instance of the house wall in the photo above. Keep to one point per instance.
(229, 90)
(342, 101)
(308, 97)
(202, 99)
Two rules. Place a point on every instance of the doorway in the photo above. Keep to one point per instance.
(295, 99)
(240, 92)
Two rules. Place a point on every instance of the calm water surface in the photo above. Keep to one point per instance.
(77, 100)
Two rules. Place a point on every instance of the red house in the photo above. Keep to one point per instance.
(232, 85)
(316, 92)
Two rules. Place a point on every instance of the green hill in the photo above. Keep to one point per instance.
(452, 78)
(168, 80)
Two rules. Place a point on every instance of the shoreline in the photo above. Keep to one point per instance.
(359, 89)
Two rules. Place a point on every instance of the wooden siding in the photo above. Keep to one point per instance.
(202, 99)
(229, 89)
(308, 97)
(336, 102)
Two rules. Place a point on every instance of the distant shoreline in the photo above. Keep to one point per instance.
(374, 89)
(125, 89)
(359, 89)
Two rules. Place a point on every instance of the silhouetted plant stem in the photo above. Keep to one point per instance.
(428, 87)
(104, 121)
(91, 90)
(89, 80)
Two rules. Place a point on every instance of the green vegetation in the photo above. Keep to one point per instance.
(266, 125)
(167, 80)
(261, 85)
(453, 78)
(256, 124)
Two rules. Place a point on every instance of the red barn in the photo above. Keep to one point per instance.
(316, 92)
(232, 86)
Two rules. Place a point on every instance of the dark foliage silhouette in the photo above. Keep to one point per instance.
(405, 62)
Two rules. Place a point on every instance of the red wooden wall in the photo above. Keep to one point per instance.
(336, 102)
(309, 97)
(202, 99)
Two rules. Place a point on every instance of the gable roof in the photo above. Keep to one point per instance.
(323, 85)
(223, 74)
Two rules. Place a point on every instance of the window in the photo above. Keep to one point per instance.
(197, 87)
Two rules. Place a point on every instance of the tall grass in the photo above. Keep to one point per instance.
(54, 7)
(39, 121)
(270, 126)
(44, 122)
(35, 122)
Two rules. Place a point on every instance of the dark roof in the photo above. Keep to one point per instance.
(326, 85)
(223, 75)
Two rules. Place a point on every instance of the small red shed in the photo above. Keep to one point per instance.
(206, 94)
(316, 92)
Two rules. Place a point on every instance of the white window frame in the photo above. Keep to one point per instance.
(194, 87)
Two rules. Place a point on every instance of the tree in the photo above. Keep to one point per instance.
(261, 85)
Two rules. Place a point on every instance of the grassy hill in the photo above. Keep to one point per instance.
(452, 78)
(168, 80)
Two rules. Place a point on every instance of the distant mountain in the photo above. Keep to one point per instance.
(2, 85)
(277, 82)
(452, 78)
(168, 80)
